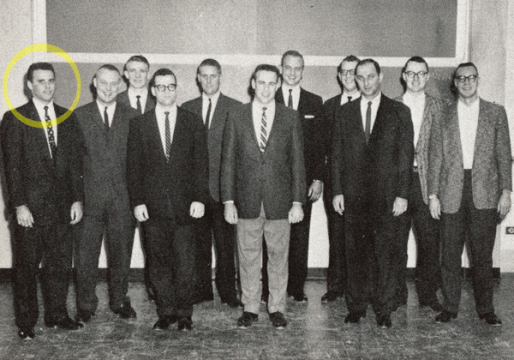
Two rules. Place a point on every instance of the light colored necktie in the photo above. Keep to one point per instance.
(51, 135)
(264, 131)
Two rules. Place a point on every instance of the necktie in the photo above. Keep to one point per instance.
(208, 116)
(167, 134)
(106, 120)
(349, 98)
(51, 135)
(367, 130)
(138, 104)
(264, 132)
(290, 100)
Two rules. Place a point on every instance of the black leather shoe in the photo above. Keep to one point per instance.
(445, 317)
(435, 305)
(164, 322)
(329, 296)
(233, 302)
(66, 324)
(278, 320)
(300, 297)
(185, 323)
(491, 319)
(354, 316)
(83, 316)
(126, 311)
(384, 321)
(26, 334)
(247, 320)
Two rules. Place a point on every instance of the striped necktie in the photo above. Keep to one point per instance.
(264, 131)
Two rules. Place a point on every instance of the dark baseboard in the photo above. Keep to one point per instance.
(137, 274)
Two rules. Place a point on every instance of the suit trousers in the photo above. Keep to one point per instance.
(53, 245)
(427, 234)
(479, 226)
(276, 233)
(213, 223)
(118, 225)
(171, 257)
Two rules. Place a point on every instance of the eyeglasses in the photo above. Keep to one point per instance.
(347, 72)
(170, 87)
(412, 74)
(462, 79)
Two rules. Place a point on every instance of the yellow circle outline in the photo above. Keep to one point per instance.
(45, 48)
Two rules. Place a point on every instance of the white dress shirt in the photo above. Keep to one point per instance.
(40, 107)
(132, 95)
(257, 110)
(468, 123)
(161, 122)
(205, 106)
(295, 94)
(110, 111)
(375, 103)
(344, 96)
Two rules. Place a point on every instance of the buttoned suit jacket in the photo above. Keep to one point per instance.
(48, 186)
(123, 98)
(275, 178)
(104, 157)
(214, 137)
(168, 188)
(491, 171)
(433, 112)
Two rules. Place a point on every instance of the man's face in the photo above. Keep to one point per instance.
(107, 82)
(292, 70)
(42, 85)
(209, 77)
(369, 80)
(161, 90)
(137, 74)
(265, 84)
(467, 89)
(347, 76)
(416, 76)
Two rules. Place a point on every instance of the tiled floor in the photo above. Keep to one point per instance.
(315, 331)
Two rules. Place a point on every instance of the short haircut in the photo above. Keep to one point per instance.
(417, 59)
(368, 61)
(291, 53)
(462, 65)
(349, 58)
(39, 66)
(109, 67)
(161, 72)
(136, 58)
(209, 62)
(266, 67)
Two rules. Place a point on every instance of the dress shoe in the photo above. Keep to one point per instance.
(300, 297)
(233, 302)
(66, 324)
(491, 319)
(26, 334)
(247, 320)
(83, 316)
(329, 296)
(445, 317)
(126, 311)
(278, 320)
(434, 305)
(354, 316)
(164, 322)
(185, 323)
(384, 321)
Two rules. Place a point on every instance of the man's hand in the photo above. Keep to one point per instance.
(76, 212)
(231, 213)
(315, 191)
(197, 209)
(24, 216)
(295, 214)
(399, 206)
(141, 213)
(338, 203)
(504, 204)
(435, 208)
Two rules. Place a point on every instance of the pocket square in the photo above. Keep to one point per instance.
(309, 116)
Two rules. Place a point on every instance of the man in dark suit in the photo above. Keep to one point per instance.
(372, 154)
(169, 184)
(469, 187)
(263, 189)
(425, 110)
(137, 96)
(310, 109)
(43, 173)
(336, 273)
(105, 124)
(213, 107)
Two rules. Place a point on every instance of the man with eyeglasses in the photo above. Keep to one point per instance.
(336, 273)
(372, 154)
(168, 183)
(425, 110)
(469, 186)
(137, 96)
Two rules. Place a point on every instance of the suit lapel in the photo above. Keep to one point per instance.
(154, 135)
(454, 130)
(39, 134)
(248, 128)
(279, 96)
(484, 128)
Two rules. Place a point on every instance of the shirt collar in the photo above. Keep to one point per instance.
(214, 98)
(40, 106)
(159, 109)
(375, 102)
(269, 107)
(134, 92)
(413, 97)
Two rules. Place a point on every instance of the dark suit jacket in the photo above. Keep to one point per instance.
(274, 178)
(383, 167)
(123, 98)
(491, 172)
(47, 186)
(310, 107)
(168, 188)
(215, 136)
(104, 156)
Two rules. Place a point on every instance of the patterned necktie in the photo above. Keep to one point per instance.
(167, 134)
(367, 130)
(106, 120)
(138, 104)
(51, 135)
(208, 116)
(264, 131)
(290, 100)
